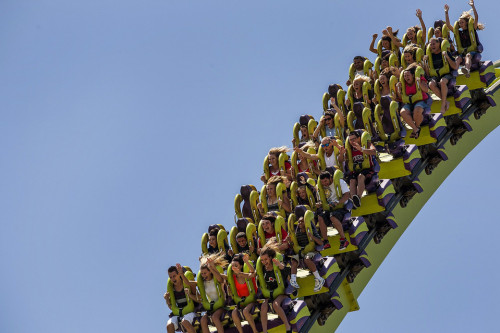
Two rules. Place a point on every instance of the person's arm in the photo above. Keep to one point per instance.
(278, 263)
(341, 115)
(423, 84)
(344, 198)
(448, 24)
(341, 157)
(372, 48)
(303, 154)
(191, 284)
(318, 128)
(370, 151)
(422, 24)
(166, 296)
(193, 296)
(285, 203)
(476, 18)
(317, 240)
(218, 276)
(453, 63)
(425, 64)
(252, 273)
(394, 39)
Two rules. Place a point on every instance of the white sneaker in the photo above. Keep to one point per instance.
(318, 284)
(294, 284)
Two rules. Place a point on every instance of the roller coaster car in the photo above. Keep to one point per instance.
(356, 260)
(302, 179)
(222, 244)
(326, 267)
(361, 118)
(295, 165)
(281, 161)
(393, 61)
(304, 120)
(339, 94)
(367, 66)
(431, 127)
(280, 189)
(247, 226)
(382, 223)
(397, 159)
(420, 40)
(250, 197)
(378, 192)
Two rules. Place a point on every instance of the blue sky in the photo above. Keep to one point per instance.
(128, 128)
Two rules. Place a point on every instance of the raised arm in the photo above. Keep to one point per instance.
(191, 284)
(218, 276)
(303, 154)
(448, 24)
(341, 115)
(476, 18)
(372, 48)
(422, 24)
(453, 63)
(394, 39)
(318, 128)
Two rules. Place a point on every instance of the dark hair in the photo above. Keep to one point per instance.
(269, 217)
(240, 235)
(213, 232)
(325, 174)
(355, 133)
(333, 89)
(172, 269)
(358, 58)
(387, 38)
(411, 68)
(239, 258)
(269, 252)
(330, 112)
(438, 24)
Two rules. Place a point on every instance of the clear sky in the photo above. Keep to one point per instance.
(128, 127)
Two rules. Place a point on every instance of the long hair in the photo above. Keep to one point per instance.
(270, 248)
(217, 258)
(467, 15)
(276, 151)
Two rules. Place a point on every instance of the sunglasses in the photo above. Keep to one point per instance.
(325, 145)
(328, 119)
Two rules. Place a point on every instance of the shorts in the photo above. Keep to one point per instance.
(448, 76)
(309, 255)
(411, 107)
(175, 319)
(337, 213)
(368, 173)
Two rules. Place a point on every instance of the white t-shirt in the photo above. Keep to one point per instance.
(211, 290)
(331, 195)
(330, 161)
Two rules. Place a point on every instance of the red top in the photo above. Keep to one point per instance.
(242, 288)
(412, 90)
(357, 157)
(283, 235)
(306, 170)
(277, 173)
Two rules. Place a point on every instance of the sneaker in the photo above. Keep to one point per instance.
(326, 245)
(356, 201)
(318, 284)
(294, 284)
(343, 244)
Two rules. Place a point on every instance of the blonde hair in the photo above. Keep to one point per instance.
(217, 258)
(276, 180)
(271, 243)
(467, 15)
(362, 78)
(278, 150)
(307, 145)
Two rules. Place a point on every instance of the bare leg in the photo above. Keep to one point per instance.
(361, 185)
(322, 228)
(468, 60)
(338, 226)
(188, 326)
(295, 264)
(248, 316)
(263, 315)
(418, 115)
(170, 328)
(352, 187)
(406, 115)
(204, 324)
(216, 320)
(433, 86)
(310, 265)
(236, 320)
(280, 312)
(444, 95)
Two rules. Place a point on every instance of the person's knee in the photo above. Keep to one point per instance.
(444, 82)
(419, 110)
(204, 320)
(433, 84)
(361, 178)
(246, 312)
